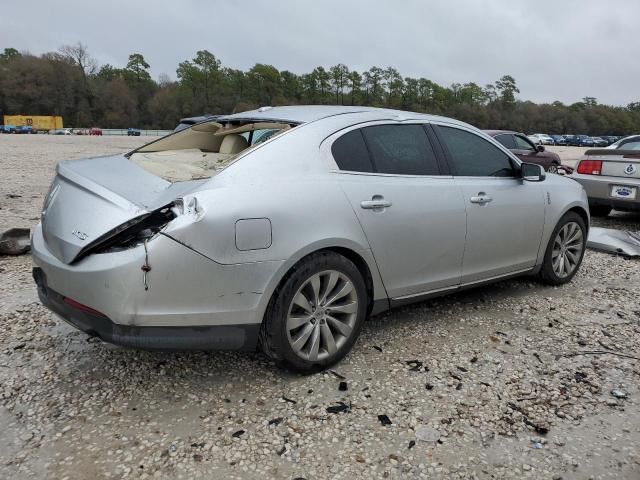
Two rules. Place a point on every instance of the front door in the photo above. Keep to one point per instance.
(505, 215)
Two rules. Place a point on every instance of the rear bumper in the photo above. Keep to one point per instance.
(598, 190)
(192, 302)
(211, 337)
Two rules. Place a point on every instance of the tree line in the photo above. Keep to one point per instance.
(69, 82)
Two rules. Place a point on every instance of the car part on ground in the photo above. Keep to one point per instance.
(615, 241)
(293, 224)
(15, 241)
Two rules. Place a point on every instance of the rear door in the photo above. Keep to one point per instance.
(408, 205)
(505, 215)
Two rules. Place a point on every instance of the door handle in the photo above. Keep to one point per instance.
(482, 198)
(377, 202)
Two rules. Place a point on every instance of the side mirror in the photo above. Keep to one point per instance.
(540, 148)
(532, 172)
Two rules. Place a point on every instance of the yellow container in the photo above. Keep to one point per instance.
(38, 122)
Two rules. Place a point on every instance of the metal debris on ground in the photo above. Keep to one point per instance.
(610, 240)
(15, 241)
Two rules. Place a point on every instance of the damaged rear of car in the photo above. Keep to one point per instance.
(106, 263)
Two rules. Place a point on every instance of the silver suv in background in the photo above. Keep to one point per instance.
(207, 239)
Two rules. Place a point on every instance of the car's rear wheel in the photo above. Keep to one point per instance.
(565, 250)
(316, 315)
(599, 210)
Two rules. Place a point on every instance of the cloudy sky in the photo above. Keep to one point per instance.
(556, 50)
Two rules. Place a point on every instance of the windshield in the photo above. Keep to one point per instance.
(201, 150)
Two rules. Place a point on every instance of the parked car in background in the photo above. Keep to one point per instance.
(25, 129)
(238, 256)
(611, 177)
(631, 142)
(7, 129)
(559, 140)
(599, 142)
(189, 121)
(61, 131)
(543, 139)
(610, 139)
(95, 131)
(133, 132)
(526, 150)
(579, 140)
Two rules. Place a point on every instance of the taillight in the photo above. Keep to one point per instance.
(590, 167)
(83, 308)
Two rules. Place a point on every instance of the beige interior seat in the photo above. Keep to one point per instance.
(233, 143)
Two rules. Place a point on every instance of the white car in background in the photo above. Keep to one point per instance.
(541, 139)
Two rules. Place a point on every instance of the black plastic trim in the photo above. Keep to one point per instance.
(209, 337)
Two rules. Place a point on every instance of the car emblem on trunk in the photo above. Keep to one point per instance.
(81, 235)
(630, 170)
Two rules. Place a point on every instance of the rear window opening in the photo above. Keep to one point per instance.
(203, 149)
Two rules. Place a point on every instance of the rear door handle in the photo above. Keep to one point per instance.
(482, 198)
(377, 202)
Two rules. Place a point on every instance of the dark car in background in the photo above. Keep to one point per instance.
(133, 132)
(526, 150)
(7, 129)
(558, 140)
(599, 142)
(579, 140)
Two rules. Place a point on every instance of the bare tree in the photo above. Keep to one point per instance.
(78, 54)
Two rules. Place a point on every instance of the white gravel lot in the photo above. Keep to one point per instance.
(512, 380)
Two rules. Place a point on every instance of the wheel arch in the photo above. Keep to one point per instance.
(362, 259)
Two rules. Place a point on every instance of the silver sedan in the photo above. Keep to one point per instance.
(285, 228)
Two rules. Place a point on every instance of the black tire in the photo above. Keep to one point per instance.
(274, 338)
(599, 210)
(547, 273)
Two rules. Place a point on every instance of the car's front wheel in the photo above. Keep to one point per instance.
(565, 250)
(316, 315)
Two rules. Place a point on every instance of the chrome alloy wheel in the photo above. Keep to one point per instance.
(553, 168)
(322, 315)
(567, 249)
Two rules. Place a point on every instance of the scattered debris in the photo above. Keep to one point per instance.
(619, 242)
(384, 420)
(427, 434)
(238, 434)
(415, 365)
(15, 241)
(343, 386)
(412, 444)
(618, 393)
(288, 400)
(377, 348)
(276, 421)
(341, 377)
(339, 408)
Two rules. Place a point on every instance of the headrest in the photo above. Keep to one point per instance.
(233, 143)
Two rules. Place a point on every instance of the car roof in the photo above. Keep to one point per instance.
(493, 133)
(308, 113)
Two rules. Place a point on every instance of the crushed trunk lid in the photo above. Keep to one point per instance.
(92, 200)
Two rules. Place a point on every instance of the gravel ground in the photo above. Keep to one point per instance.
(512, 380)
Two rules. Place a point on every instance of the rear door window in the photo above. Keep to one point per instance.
(401, 149)
(474, 156)
(351, 154)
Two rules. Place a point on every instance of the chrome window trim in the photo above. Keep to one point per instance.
(329, 161)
